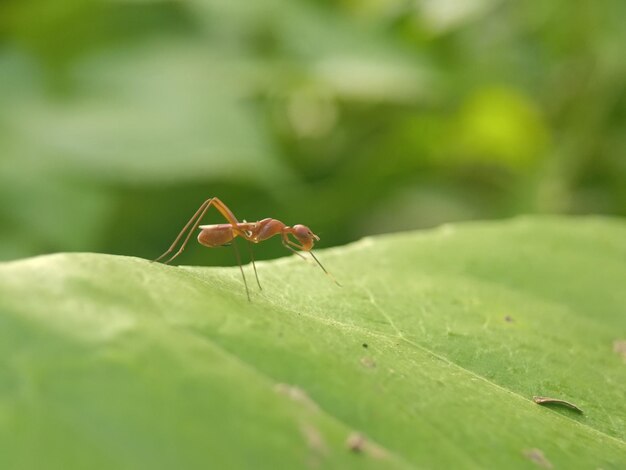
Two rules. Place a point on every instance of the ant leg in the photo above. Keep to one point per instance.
(193, 229)
(231, 219)
(245, 283)
(225, 211)
(185, 228)
(254, 265)
(194, 222)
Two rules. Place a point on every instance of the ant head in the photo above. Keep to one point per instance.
(304, 235)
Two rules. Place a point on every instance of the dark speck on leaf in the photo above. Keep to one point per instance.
(509, 319)
(365, 345)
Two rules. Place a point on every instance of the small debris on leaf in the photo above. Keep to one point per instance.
(314, 439)
(355, 442)
(297, 395)
(365, 345)
(368, 362)
(358, 443)
(536, 456)
(509, 319)
(555, 401)
(619, 347)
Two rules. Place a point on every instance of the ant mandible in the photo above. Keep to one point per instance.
(216, 235)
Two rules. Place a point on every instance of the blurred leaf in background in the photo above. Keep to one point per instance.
(118, 118)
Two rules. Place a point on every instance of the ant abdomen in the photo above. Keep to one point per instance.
(215, 235)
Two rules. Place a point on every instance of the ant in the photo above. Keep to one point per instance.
(216, 235)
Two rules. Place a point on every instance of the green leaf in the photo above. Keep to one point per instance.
(166, 111)
(427, 357)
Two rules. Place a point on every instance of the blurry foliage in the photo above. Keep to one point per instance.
(118, 118)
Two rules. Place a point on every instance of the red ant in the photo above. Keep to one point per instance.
(223, 234)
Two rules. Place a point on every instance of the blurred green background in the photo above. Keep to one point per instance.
(118, 118)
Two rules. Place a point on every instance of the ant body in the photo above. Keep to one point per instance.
(223, 234)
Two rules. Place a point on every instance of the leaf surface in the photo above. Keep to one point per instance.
(427, 357)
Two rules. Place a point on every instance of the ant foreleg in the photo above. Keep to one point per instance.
(289, 244)
(324, 269)
(295, 252)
